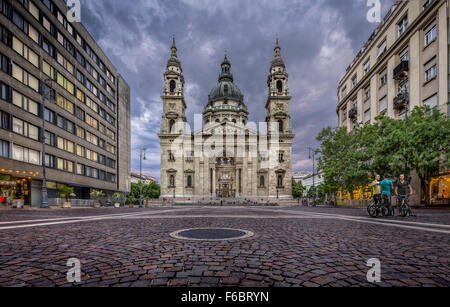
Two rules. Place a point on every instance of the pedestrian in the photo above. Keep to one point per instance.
(386, 188)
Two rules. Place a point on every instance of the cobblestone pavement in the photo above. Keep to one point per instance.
(291, 247)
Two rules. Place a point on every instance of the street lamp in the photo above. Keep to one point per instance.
(45, 91)
(312, 153)
(142, 153)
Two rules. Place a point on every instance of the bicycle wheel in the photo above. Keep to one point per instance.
(404, 211)
(385, 211)
(372, 210)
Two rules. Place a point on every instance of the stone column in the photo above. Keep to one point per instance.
(214, 183)
(237, 183)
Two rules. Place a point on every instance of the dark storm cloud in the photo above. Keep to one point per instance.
(318, 39)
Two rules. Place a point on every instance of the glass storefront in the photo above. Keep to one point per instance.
(440, 190)
(14, 191)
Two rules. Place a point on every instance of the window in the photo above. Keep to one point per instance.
(80, 77)
(367, 93)
(280, 126)
(80, 169)
(65, 104)
(402, 25)
(26, 155)
(4, 149)
(354, 80)
(382, 49)
(171, 181)
(280, 157)
(367, 117)
(81, 151)
(25, 129)
(80, 95)
(5, 92)
(80, 114)
(91, 155)
(65, 63)
(189, 181)
(64, 165)
(24, 77)
(50, 139)
(383, 105)
(5, 64)
(65, 145)
(110, 134)
(280, 86)
(426, 3)
(65, 124)
(48, 70)
(81, 133)
(344, 92)
(431, 102)
(367, 67)
(110, 148)
(171, 125)
(430, 35)
(383, 78)
(25, 103)
(91, 121)
(4, 120)
(280, 181)
(5, 36)
(50, 116)
(91, 138)
(66, 84)
(50, 161)
(91, 104)
(33, 34)
(33, 10)
(25, 52)
(48, 47)
(430, 70)
(261, 181)
(404, 56)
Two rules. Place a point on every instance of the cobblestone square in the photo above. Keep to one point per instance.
(291, 247)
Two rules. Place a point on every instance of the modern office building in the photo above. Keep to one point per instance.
(87, 111)
(406, 56)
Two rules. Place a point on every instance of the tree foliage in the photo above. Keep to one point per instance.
(388, 147)
(297, 189)
(151, 190)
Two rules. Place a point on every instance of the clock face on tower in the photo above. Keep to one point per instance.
(280, 107)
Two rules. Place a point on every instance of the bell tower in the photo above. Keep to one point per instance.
(174, 105)
(278, 100)
(279, 128)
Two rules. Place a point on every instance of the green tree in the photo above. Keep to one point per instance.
(342, 159)
(297, 189)
(152, 190)
(66, 192)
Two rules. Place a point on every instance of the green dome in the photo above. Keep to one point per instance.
(226, 89)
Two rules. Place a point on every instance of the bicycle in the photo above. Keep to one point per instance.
(403, 206)
(377, 207)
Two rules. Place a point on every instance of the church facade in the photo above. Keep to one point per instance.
(225, 155)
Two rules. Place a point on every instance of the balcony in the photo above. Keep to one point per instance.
(401, 71)
(353, 113)
(400, 102)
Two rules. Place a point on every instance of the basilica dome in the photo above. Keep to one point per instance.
(225, 89)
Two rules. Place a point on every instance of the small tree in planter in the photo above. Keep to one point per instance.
(147, 202)
(116, 198)
(97, 194)
(66, 192)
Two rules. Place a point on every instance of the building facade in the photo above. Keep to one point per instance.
(406, 58)
(87, 110)
(146, 179)
(225, 156)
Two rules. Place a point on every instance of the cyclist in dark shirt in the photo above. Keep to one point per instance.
(402, 190)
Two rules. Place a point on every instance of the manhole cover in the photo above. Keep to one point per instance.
(211, 234)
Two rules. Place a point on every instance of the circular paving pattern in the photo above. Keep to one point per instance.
(211, 234)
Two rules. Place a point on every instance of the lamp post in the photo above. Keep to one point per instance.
(45, 92)
(312, 154)
(142, 153)
(406, 96)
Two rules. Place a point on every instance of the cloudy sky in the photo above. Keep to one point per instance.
(319, 38)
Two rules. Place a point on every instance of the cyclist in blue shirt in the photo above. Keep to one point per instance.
(386, 188)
